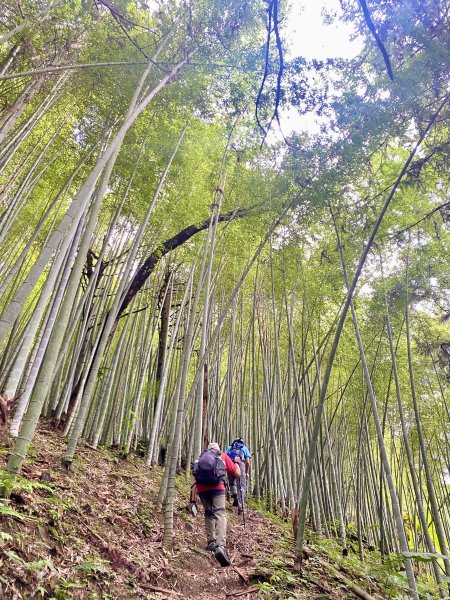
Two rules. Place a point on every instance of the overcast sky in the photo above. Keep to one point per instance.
(309, 37)
(306, 35)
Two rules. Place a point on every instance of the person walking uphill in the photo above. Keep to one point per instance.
(209, 472)
(239, 485)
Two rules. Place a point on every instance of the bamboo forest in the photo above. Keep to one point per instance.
(207, 235)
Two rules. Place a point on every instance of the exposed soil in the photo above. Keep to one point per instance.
(94, 533)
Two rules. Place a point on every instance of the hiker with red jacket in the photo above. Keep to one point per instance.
(209, 471)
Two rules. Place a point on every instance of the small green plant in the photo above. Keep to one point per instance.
(7, 511)
(104, 596)
(277, 580)
(14, 556)
(266, 590)
(7, 482)
(39, 565)
(62, 590)
(426, 586)
(10, 483)
(54, 514)
(5, 537)
(269, 591)
(351, 527)
(389, 576)
(92, 565)
(39, 568)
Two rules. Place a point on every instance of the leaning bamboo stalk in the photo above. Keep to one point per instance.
(423, 450)
(180, 411)
(20, 198)
(125, 399)
(113, 430)
(278, 383)
(337, 335)
(269, 394)
(27, 185)
(383, 453)
(10, 58)
(409, 456)
(212, 232)
(40, 16)
(149, 334)
(15, 141)
(173, 422)
(70, 316)
(38, 228)
(46, 70)
(84, 195)
(111, 318)
(98, 427)
(60, 272)
(81, 201)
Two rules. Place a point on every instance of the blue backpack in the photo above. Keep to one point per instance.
(236, 450)
(209, 469)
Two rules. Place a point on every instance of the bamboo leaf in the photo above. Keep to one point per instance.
(424, 556)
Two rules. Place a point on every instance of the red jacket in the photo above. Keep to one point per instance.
(231, 468)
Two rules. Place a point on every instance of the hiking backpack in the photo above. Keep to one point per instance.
(236, 450)
(209, 469)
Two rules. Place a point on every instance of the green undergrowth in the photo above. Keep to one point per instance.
(383, 575)
(94, 533)
(385, 570)
(88, 533)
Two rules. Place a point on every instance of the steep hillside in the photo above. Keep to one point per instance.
(94, 533)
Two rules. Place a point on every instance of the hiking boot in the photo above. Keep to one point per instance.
(211, 546)
(222, 556)
(235, 500)
(240, 510)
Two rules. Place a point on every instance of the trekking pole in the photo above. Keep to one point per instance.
(243, 514)
(240, 498)
(193, 500)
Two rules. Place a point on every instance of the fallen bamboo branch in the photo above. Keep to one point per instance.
(239, 572)
(206, 553)
(319, 584)
(154, 588)
(358, 591)
(251, 590)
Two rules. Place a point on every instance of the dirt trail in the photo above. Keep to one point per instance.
(93, 533)
(203, 578)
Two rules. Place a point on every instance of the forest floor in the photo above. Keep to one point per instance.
(94, 533)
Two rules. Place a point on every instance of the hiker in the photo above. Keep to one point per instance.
(209, 471)
(238, 485)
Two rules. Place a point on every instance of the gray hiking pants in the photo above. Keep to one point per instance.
(215, 517)
(242, 482)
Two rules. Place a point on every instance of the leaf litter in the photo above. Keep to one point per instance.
(94, 533)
